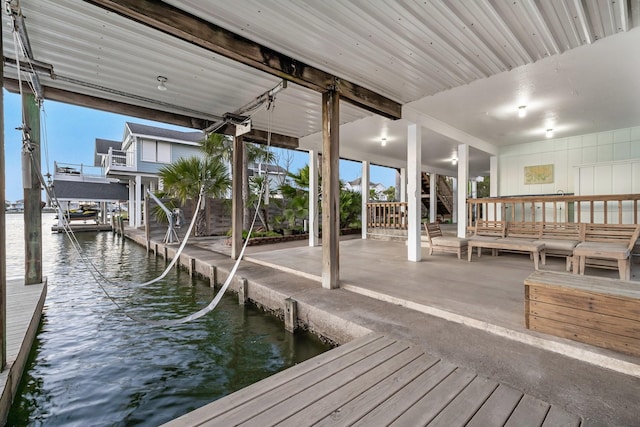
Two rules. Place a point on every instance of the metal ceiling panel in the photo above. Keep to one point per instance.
(103, 54)
(432, 53)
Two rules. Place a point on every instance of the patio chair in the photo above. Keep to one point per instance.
(440, 243)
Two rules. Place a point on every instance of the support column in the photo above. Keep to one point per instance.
(454, 188)
(132, 202)
(138, 203)
(246, 215)
(403, 185)
(3, 228)
(463, 179)
(493, 188)
(364, 190)
(237, 205)
(330, 190)
(313, 199)
(414, 191)
(32, 193)
(433, 197)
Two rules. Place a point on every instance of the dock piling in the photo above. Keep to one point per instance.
(290, 315)
(242, 290)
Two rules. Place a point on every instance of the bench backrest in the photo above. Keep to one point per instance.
(529, 230)
(562, 230)
(611, 233)
(490, 228)
(433, 230)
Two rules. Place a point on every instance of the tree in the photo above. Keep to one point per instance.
(184, 178)
(390, 194)
(221, 146)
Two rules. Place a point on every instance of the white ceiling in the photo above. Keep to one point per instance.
(466, 65)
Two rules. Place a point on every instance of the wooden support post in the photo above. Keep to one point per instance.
(32, 194)
(3, 229)
(330, 190)
(236, 197)
(147, 229)
(213, 276)
(364, 190)
(243, 294)
(165, 251)
(290, 315)
(192, 266)
(313, 199)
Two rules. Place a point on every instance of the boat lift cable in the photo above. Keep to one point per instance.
(97, 275)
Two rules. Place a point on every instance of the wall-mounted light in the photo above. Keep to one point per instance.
(549, 133)
(522, 111)
(454, 161)
(161, 81)
(383, 142)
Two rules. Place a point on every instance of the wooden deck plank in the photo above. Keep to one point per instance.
(262, 401)
(530, 412)
(273, 409)
(395, 405)
(370, 342)
(438, 398)
(465, 405)
(319, 403)
(557, 417)
(352, 411)
(497, 409)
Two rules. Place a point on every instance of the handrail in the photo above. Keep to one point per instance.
(387, 215)
(598, 209)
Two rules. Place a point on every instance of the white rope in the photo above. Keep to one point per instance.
(95, 272)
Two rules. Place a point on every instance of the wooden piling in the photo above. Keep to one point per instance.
(290, 315)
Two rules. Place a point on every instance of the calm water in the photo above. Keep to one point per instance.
(92, 366)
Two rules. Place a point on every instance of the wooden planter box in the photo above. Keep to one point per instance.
(598, 311)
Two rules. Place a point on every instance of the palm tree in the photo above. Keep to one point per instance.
(184, 178)
(221, 146)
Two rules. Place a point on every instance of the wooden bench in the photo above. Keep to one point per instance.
(488, 231)
(440, 243)
(598, 311)
(536, 249)
(606, 246)
(493, 235)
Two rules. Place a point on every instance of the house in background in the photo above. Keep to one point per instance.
(138, 158)
(356, 185)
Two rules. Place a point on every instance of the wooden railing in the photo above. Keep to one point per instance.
(602, 209)
(387, 215)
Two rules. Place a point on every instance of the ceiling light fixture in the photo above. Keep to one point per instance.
(522, 111)
(549, 133)
(383, 142)
(162, 80)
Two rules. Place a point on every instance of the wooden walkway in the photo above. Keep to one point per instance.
(24, 309)
(373, 381)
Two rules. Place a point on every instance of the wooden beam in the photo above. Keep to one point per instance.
(91, 101)
(190, 28)
(262, 137)
(3, 227)
(74, 98)
(32, 194)
(330, 190)
(236, 197)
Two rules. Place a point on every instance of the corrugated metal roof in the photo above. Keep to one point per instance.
(410, 51)
(154, 131)
(94, 191)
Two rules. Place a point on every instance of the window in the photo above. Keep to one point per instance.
(156, 151)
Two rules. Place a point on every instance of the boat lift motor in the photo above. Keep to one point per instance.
(175, 218)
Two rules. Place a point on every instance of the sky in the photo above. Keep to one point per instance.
(68, 135)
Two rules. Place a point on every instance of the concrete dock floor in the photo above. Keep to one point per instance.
(464, 313)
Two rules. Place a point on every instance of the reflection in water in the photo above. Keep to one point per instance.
(91, 365)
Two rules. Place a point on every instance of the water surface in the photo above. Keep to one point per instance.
(91, 365)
